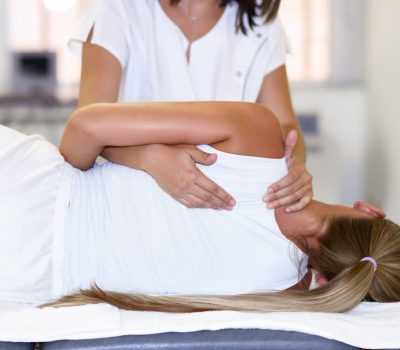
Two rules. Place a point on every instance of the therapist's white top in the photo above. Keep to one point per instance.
(224, 64)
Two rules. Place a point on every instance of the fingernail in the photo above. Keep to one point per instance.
(265, 198)
(270, 206)
(232, 202)
(229, 208)
(270, 190)
(287, 210)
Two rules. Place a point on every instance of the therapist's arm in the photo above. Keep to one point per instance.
(296, 187)
(100, 75)
(173, 167)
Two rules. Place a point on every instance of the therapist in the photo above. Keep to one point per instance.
(190, 50)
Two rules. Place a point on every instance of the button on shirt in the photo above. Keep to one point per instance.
(225, 64)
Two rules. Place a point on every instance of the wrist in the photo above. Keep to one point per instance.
(297, 160)
(136, 157)
(146, 157)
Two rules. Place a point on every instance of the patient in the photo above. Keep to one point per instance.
(64, 229)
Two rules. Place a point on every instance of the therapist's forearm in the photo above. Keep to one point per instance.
(100, 81)
(135, 157)
(300, 152)
(275, 95)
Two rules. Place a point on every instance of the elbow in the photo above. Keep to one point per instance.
(78, 144)
(79, 122)
(84, 119)
(75, 131)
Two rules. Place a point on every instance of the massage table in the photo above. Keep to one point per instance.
(227, 339)
(102, 326)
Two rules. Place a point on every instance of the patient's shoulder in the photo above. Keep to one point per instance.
(257, 132)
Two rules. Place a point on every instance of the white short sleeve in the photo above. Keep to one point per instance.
(9, 137)
(277, 47)
(271, 54)
(109, 22)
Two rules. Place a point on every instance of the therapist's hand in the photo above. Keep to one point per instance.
(174, 169)
(295, 189)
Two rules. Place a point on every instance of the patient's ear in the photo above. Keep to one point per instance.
(369, 209)
(320, 279)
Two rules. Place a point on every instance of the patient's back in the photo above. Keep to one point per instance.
(124, 233)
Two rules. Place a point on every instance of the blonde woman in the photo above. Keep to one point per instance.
(67, 223)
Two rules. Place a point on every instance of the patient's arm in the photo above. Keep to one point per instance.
(239, 126)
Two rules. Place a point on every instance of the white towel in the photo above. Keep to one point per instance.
(370, 325)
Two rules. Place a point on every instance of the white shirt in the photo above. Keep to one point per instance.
(63, 229)
(126, 234)
(224, 64)
(34, 195)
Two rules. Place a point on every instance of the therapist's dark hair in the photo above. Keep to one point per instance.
(249, 10)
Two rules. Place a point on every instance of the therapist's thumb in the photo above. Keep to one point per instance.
(202, 157)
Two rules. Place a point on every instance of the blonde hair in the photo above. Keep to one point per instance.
(350, 280)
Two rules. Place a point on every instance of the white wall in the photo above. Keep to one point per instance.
(4, 61)
(359, 139)
(338, 165)
(383, 96)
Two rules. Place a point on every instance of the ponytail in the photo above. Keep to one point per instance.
(340, 294)
(350, 279)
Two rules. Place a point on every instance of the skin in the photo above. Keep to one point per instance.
(235, 127)
(308, 226)
(296, 187)
(174, 167)
(208, 12)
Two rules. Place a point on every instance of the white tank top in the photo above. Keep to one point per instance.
(124, 233)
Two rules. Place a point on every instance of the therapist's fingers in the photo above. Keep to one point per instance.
(300, 204)
(291, 178)
(208, 199)
(199, 200)
(202, 157)
(293, 185)
(293, 197)
(174, 168)
(212, 194)
(369, 209)
(196, 202)
(296, 172)
(290, 144)
(184, 202)
(305, 197)
(295, 189)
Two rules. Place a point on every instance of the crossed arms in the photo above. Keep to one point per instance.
(237, 127)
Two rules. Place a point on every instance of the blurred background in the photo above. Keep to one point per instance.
(344, 71)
